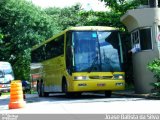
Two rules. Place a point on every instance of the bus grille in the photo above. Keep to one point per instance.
(100, 77)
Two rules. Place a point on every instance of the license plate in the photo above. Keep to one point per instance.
(101, 84)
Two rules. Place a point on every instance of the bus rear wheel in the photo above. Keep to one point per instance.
(108, 94)
(44, 94)
(39, 89)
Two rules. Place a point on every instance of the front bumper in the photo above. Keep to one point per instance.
(4, 87)
(96, 85)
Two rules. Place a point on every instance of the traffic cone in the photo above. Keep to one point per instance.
(16, 95)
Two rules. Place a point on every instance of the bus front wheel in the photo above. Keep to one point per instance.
(65, 89)
(108, 94)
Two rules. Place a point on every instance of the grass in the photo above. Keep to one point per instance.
(6, 93)
(32, 92)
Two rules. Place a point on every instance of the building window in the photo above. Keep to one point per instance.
(135, 41)
(145, 39)
(141, 39)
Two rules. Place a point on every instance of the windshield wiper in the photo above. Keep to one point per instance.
(93, 64)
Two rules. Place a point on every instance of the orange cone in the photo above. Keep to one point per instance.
(16, 95)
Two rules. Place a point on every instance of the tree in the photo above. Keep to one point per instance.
(123, 5)
(23, 26)
(66, 17)
(102, 19)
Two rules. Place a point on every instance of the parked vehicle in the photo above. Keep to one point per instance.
(6, 76)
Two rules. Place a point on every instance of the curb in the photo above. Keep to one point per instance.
(146, 96)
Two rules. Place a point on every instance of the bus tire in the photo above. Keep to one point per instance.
(39, 89)
(108, 94)
(37, 85)
(44, 94)
(78, 94)
(65, 89)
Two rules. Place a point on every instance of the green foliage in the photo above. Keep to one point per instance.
(22, 65)
(102, 19)
(66, 17)
(1, 37)
(123, 5)
(23, 26)
(154, 67)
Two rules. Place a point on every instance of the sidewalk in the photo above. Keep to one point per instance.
(125, 93)
(131, 93)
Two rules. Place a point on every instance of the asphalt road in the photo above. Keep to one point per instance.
(86, 104)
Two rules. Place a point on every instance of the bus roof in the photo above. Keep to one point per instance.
(79, 28)
(92, 28)
(4, 63)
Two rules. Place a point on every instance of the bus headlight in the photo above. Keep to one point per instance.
(81, 78)
(120, 77)
(116, 76)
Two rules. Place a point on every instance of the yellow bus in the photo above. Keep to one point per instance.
(79, 59)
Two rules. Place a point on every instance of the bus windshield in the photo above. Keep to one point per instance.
(96, 51)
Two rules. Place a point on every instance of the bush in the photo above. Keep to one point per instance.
(154, 67)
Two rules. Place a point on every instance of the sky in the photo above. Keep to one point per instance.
(86, 4)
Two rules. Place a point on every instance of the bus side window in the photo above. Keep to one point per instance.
(69, 52)
(55, 47)
(38, 55)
